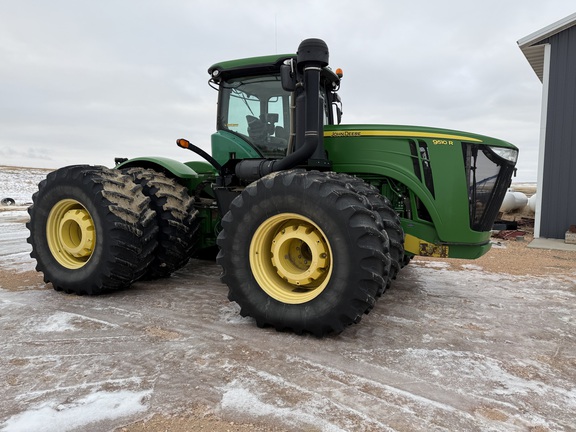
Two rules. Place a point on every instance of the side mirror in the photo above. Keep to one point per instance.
(288, 76)
(337, 104)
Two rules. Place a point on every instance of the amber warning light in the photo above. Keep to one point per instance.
(183, 143)
(339, 73)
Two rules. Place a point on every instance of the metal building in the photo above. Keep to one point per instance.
(551, 52)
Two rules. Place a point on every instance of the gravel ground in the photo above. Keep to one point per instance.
(515, 258)
(484, 345)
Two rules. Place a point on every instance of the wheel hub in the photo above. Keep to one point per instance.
(290, 258)
(70, 233)
(77, 233)
(299, 254)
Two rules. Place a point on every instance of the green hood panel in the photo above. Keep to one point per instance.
(393, 152)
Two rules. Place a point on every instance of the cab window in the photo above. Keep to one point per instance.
(258, 110)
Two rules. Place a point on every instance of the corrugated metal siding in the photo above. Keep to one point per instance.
(559, 181)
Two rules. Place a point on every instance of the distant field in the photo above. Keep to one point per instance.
(528, 188)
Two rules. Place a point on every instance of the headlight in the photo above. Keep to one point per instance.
(506, 153)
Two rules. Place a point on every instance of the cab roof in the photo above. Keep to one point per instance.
(252, 65)
(257, 66)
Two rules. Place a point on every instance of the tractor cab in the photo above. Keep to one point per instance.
(256, 109)
(256, 113)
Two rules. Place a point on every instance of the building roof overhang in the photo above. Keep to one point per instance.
(532, 47)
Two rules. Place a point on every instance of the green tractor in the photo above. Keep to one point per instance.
(311, 219)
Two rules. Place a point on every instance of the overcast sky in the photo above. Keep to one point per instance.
(86, 81)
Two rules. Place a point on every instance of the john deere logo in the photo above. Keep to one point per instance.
(340, 134)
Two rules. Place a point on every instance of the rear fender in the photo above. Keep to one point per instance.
(171, 167)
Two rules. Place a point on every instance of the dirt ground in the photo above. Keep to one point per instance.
(476, 345)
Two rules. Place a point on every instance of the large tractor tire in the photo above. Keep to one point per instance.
(393, 228)
(390, 221)
(301, 252)
(91, 230)
(176, 218)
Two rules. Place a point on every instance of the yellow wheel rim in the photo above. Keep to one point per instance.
(70, 233)
(290, 258)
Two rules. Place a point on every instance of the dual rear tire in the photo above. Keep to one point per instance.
(301, 251)
(176, 219)
(94, 229)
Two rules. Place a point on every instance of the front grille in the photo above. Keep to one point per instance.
(488, 176)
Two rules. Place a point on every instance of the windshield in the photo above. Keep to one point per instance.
(258, 109)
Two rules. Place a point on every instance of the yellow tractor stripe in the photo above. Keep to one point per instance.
(393, 133)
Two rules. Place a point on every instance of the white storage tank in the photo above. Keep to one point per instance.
(513, 201)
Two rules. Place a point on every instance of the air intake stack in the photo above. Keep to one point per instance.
(303, 78)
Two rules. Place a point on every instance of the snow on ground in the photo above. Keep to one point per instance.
(237, 398)
(56, 416)
(14, 251)
(442, 350)
(63, 321)
(20, 183)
